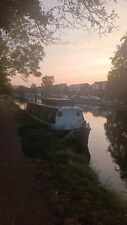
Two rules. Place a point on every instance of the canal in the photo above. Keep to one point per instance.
(108, 147)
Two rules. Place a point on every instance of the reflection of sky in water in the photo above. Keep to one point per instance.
(101, 160)
(22, 105)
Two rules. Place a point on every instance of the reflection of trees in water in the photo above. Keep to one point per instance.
(116, 132)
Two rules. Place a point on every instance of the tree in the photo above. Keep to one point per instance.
(19, 59)
(33, 21)
(27, 25)
(117, 77)
(47, 85)
(47, 80)
(33, 89)
(20, 92)
(4, 82)
(85, 89)
(20, 39)
(59, 13)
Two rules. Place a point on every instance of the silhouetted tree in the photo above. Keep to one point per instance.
(117, 77)
(40, 14)
(47, 85)
(4, 82)
(20, 92)
(25, 26)
(85, 89)
(33, 89)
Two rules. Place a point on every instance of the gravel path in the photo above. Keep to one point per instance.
(22, 201)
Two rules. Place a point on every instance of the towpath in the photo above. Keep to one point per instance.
(22, 202)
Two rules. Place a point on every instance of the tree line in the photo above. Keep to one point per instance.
(117, 76)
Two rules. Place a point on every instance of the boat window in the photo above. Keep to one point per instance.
(59, 114)
(44, 113)
(78, 113)
(49, 115)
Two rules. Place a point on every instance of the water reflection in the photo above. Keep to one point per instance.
(22, 105)
(108, 146)
(116, 132)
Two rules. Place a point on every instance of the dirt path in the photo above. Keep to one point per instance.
(21, 199)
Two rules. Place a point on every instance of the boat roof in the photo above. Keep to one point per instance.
(56, 99)
(70, 108)
(63, 108)
(48, 106)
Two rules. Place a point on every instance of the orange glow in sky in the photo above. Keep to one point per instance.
(86, 59)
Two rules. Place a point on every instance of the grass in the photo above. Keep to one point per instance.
(77, 195)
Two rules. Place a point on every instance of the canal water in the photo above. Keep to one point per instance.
(108, 147)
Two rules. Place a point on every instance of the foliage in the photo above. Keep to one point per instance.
(85, 89)
(20, 40)
(47, 80)
(28, 24)
(20, 92)
(34, 21)
(4, 82)
(19, 58)
(90, 15)
(23, 60)
(33, 89)
(49, 16)
(47, 85)
(117, 77)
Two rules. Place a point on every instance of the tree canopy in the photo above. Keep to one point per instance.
(47, 80)
(117, 77)
(27, 25)
(58, 13)
(47, 85)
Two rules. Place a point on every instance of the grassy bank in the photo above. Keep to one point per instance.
(74, 189)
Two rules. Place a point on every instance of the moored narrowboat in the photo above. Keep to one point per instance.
(59, 117)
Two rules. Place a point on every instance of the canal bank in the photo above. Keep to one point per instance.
(73, 188)
(22, 202)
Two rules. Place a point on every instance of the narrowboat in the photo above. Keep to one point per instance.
(60, 114)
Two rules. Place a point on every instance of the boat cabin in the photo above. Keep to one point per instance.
(57, 101)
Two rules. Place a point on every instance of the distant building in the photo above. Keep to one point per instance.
(101, 85)
(60, 86)
(75, 87)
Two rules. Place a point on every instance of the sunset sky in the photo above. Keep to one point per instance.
(86, 58)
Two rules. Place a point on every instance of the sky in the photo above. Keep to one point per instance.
(87, 57)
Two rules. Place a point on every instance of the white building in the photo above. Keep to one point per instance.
(99, 85)
(75, 87)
